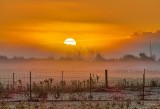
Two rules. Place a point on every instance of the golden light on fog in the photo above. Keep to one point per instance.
(70, 41)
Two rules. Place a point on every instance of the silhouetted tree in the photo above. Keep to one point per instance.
(2, 58)
(143, 56)
(99, 57)
(78, 53)
(91, 53)
(51, 58)
(15, 58)
(129, 57)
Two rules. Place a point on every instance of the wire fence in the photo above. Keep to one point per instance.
(100, 85)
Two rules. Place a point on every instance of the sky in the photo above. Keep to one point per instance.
(39, 27)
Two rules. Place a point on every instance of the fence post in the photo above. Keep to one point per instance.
(144, 84)
(30, 86)
(106, 78)
(62, 79)
(90, 84)
(13, 81)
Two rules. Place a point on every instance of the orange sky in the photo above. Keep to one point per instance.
(101, 24)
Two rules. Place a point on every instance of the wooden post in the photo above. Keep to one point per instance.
(30, 86)
(62, 75)
(144, 84)
(62, 80)
(90, 88)
(106, 78)
(90, 84)
(13, 81)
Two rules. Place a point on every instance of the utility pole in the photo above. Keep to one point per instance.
(150, 49)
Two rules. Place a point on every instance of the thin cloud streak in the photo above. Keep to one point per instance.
(102, 39)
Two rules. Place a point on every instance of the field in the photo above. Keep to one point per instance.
(73, 88)
(90, 93)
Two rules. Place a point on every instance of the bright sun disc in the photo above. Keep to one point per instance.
(70, 41)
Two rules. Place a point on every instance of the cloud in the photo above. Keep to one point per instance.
(133, 15)
(98, 11)
(140, 42)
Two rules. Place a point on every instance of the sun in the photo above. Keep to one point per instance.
(70, 41)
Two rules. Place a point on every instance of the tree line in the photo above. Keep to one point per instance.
(92, 57)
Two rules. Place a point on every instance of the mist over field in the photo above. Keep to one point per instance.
(54, 66)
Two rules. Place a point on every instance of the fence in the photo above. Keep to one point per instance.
(81, 85)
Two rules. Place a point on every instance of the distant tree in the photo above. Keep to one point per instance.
(51, 58)
(129, 57)
(78, 53)
(3, 57)
(61, 58)
(15, 58)
(137, 33)
(99, 57)
(91, 53)
(153, 57)
(143, 56)
(69, 55)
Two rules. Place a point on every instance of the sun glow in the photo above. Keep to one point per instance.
(70, 41)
